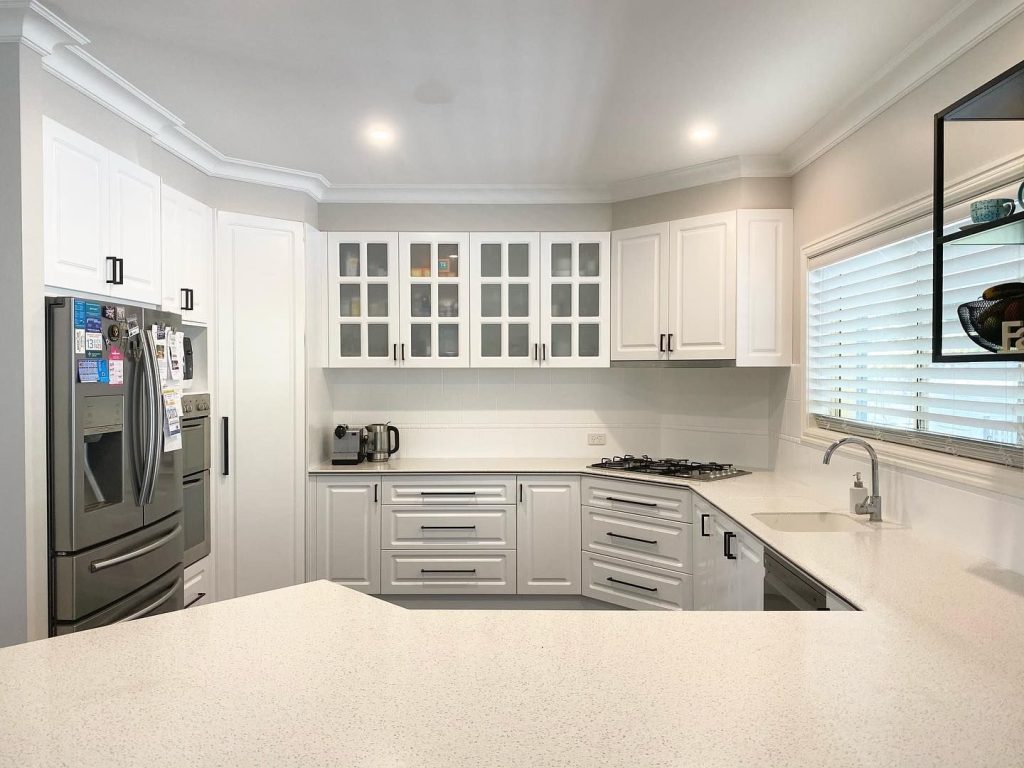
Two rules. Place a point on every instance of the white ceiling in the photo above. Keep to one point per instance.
(516, 92)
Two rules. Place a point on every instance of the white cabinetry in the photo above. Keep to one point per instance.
(348, 531)
(575, 292)
(728, 563)
(505, 301)
(640, 293)
(434, 301)
(362, 299)
(101, 220)
(548, 535)
(764, 288)
(261, 401)
(187, 233)
(199, 583)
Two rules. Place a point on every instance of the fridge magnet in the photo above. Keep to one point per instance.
(133, 326)
(116, 371)
(102, 372)
(79, 341)
(88, 371)
(109, 312)
(79, 314)
(92, 309)
(119, 315)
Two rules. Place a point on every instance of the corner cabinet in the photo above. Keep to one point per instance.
(575, 293)
(715, 287)
(728, 563)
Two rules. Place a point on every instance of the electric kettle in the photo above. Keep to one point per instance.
(378, 442)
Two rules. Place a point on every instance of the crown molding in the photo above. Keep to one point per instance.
(63, 55)
(966, 25)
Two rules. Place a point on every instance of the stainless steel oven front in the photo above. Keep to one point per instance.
(195, 444)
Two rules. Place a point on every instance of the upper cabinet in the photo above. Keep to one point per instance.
(101, 220)
(434, 303)
(362, 299)
(716, 287)
(575, 293)
(187, 258)
(505, 302)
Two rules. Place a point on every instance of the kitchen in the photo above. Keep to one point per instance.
(501, 332)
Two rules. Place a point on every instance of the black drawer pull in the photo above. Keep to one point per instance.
(627, 501)
(447, 493)
(632, 538)
(729, 536)
(636, 586)
(448, 527)
(447, 570)
(199, 596)
(703, 519)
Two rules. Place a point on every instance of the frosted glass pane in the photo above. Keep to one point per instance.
(590, 335)
(377, 340)
(490, 301)
(419, 300)
(518, 340)
(350, 342)
(419, 260)
(447, 340)
(518, 260)
(448, 300)
(561, 260)
(490, 340)
(377, 300)
(519, 300)
(349, 304)
(590, 259)
(561, 340)
(561, 300)
(348, 259)
(590, 300)
(490, 260)
(377, 259)
(420, 340)
(447, 260)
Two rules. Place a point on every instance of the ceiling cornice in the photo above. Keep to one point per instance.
(64, 56)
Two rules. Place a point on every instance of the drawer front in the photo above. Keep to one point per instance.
(450, 489)
(662, 543)
(449, 572)
(447, 526)
(638, 498)
(640, 587)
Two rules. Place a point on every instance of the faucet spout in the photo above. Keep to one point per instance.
(872, 505)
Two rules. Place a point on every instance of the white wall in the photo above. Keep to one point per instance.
(721, 414)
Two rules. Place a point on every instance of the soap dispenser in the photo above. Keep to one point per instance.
(857, 494)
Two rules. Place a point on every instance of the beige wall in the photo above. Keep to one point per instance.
(359, 217)
(697, 201)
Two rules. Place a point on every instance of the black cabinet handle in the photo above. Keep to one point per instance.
(394, 352)
(627, 501)
(729, 536)
(520, 493)
(447, 493)
(632, 538)
(199, 596)
(661, 342)
(635, 586)
(112, 280)
(543, 351)
(704, 531)
(447, 527)
(448, 570)
(184, 299)
(403, 351)
(670, 343)
(225, 437)
(188, 299)
(534, 351)
(375, 492)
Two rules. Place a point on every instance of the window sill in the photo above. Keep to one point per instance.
(951, 470)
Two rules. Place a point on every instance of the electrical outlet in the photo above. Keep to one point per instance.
(597, 438)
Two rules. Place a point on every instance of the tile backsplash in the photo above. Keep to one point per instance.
(708, 413)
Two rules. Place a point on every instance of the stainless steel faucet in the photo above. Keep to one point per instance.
(872, 505)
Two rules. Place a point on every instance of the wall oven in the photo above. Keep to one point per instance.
(195, 443)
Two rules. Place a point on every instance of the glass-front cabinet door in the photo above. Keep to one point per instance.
(434, 282)
(505, 280)
(362, 286)
(575, 299)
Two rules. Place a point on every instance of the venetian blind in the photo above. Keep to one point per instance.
(869, 362)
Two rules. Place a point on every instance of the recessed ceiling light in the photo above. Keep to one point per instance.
(380, 135)
(703, 133)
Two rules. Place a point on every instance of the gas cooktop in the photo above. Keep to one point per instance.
(682, 468)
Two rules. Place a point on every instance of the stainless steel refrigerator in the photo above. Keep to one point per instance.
(114, 494)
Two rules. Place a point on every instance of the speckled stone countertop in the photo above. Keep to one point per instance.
(930, 673)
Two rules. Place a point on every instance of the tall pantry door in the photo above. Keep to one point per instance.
(260, 429)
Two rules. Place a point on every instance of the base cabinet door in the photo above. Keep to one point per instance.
(348, 532)
(728, 563)
(704, 555)
(199, 583)
(548, 535)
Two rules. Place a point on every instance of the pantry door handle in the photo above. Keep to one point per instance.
(704, 531)
(635, 586)
(631, 538)
(225, 436)
(729, 536)
(661, 342)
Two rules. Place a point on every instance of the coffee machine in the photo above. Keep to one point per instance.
(347, 445)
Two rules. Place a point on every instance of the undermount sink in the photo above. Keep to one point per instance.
(811, 522)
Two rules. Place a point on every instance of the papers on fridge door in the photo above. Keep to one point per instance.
(169, 355)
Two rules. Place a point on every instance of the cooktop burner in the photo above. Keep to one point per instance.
(684, 468)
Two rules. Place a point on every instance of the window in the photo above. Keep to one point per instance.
(869, 369)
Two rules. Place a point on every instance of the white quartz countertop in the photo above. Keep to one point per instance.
(930, 673)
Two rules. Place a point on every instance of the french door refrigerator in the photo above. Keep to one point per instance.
(114, 494)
